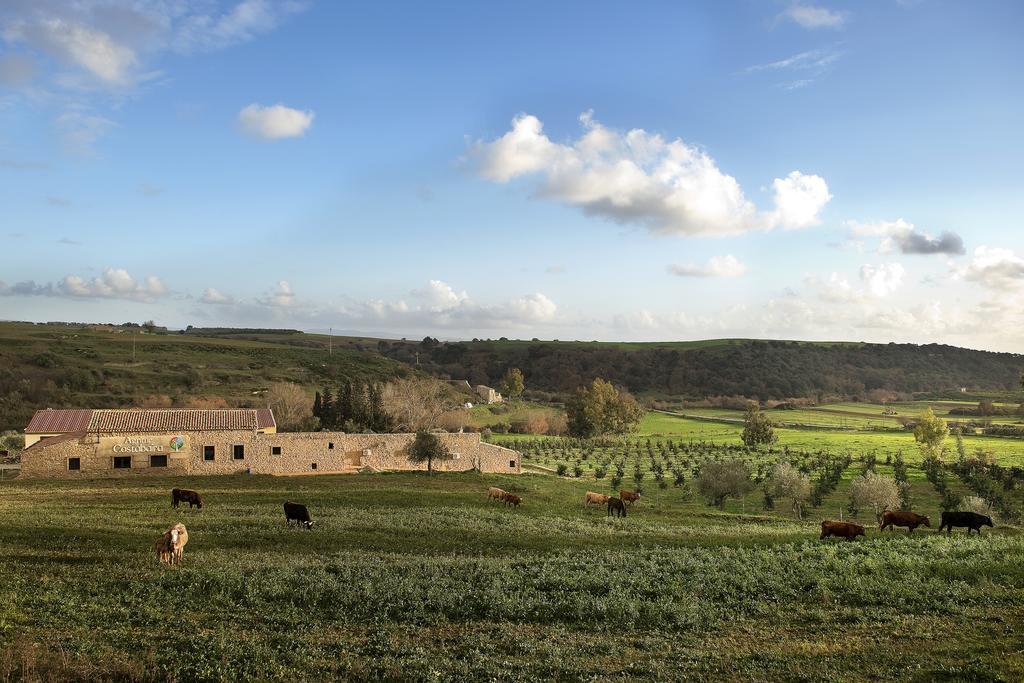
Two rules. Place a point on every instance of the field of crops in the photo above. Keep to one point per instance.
(420, 578)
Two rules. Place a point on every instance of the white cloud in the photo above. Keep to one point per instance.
(81, 129)
(902, 235)
(216, 297)
(806, 66)
(995, 268)
(114, 283)
(282, 297)
(812, 16)
(882, 280)
(716, 266)
(242, 23)
(275, 122)
(639, 177)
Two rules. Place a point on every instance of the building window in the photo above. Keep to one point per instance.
(238, 450)
(74, 463)
(511, 463)
(275, 450)
(122, 462)
(312, 465)
(158, 461)
(330, 445)
(208, 453)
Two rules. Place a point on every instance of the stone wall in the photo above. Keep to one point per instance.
(283, 453)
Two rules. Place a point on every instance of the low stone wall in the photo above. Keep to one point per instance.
(232, 452)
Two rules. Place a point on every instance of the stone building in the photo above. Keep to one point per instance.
(197, 442)
(487, 394)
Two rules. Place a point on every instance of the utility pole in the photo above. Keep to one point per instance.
(133, 347)
(330, 341)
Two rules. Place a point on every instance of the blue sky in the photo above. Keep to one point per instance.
(636, 171)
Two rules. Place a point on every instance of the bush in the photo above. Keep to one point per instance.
(562, 469)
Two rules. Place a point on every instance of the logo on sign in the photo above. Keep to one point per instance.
(177, 443)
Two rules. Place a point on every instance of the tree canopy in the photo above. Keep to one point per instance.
(601, 409)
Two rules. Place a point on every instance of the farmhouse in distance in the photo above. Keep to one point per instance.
(117, 442)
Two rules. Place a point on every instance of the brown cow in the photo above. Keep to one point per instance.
(493, 492)
(847, 530)
(186, 496)
(513, 500)
(629, 497)
(592, 498)
(617, 506)
(895, 518)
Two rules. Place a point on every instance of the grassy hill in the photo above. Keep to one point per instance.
(95, 366)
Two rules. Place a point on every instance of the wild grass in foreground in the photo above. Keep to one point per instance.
(416, 578)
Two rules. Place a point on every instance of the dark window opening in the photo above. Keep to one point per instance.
(74, 463)
(239, 451)
(312, 465)
(330, 445)
(207, 453)
(275, 450)
(511, 463)
(158, 461)
(122, 462)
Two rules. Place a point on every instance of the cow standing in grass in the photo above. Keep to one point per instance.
(592, 498)
(616, 506)
(186, 496)
(512, 499)
(911, 520)
(629, 497)
(971, 520)
(494, 493)
(298, 513)
(847, 530)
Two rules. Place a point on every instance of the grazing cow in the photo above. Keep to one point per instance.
(629, 497)
(513, 500)
(617, 506)
(592, 498)
(847, 530)
(971, 520)
(911, 520)
(170, 547)
(495, 493)
(186, 496)
(297, 512)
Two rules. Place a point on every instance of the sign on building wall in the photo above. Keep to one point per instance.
(161, 444)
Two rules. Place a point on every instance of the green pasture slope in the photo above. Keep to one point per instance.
(410, 577)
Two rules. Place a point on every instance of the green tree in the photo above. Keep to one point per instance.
(757, 428)
(512, 384)
(789, 482)
(426, 447)
(722, 479)
(930, 434)
(602, 409)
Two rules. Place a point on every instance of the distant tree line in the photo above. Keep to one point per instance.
(765, 370)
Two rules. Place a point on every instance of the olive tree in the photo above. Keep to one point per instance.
(930, 434)
(722, 479)
(877, 492)
(427, 447)
(789, 482)
(757, 428)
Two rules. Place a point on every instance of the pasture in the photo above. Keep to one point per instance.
(421, 578)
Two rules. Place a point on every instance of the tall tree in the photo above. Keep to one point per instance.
(291, 407)
(318, 407)
(757, 428)
(327, 410)
(417, 403)
(343, 411)
(930, 434)
(379, 420)
(428, 447)
(360, 417)
(512, 384)
(602, 409)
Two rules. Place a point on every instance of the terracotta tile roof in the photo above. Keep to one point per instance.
(60, 421)
(149, 420)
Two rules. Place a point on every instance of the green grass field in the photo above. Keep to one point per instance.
(420, 578)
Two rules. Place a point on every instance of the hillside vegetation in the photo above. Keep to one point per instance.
(90, 366)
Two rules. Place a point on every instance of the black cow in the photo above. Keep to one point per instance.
(297, 512)
(186, 496)
(971, 520)
(617, 506)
